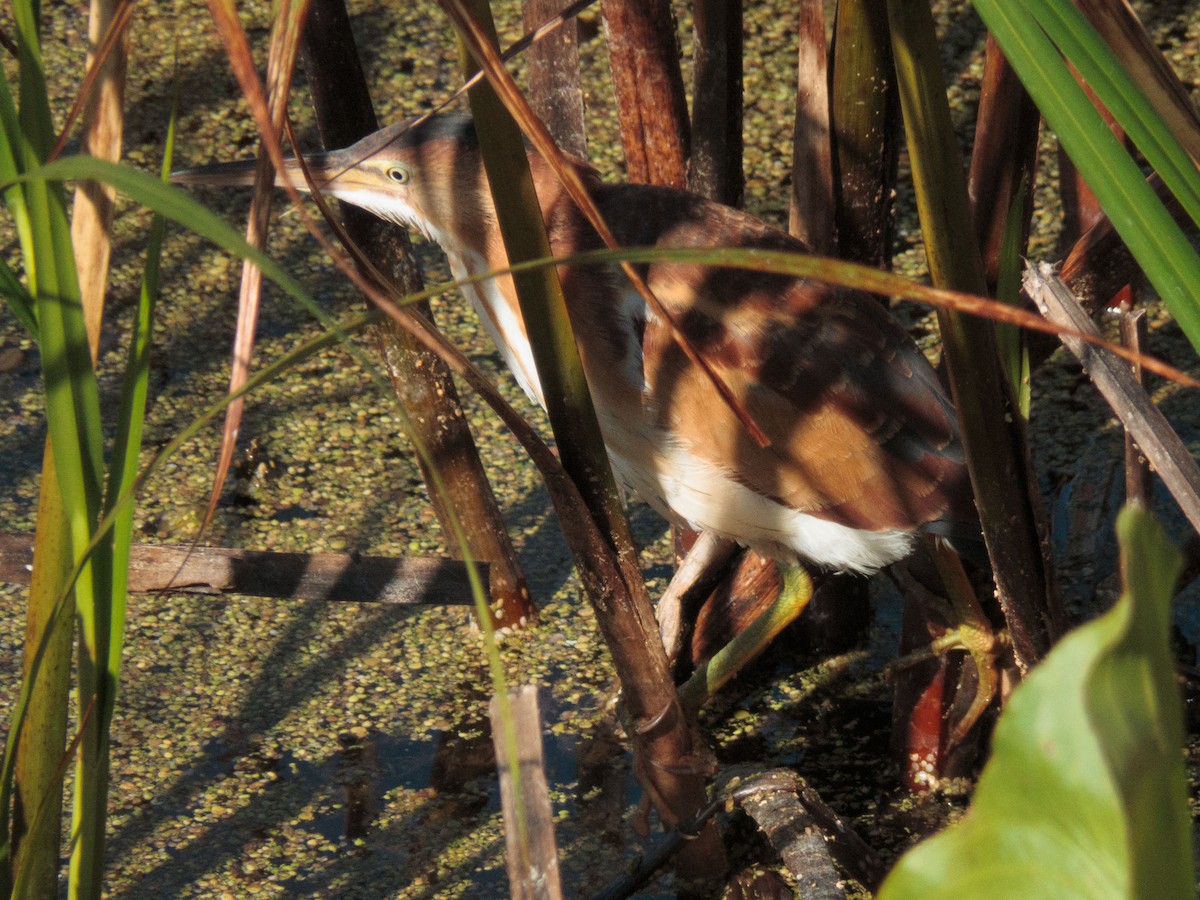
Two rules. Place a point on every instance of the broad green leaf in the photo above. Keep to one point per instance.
(1084, 796)
(1132, 696)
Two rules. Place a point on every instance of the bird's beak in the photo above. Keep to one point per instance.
(323, 168)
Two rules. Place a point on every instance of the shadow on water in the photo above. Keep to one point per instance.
(455, 773)
(382, 809)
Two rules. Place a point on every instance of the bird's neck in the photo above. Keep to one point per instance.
(495, 302)
(466, 227)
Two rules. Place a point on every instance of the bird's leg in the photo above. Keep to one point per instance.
(701, 570)
(971, 631)
(705, 681)
(974, 632)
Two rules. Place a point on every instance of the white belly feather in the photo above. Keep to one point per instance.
(691, 490)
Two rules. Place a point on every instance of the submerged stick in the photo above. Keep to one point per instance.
(405, 580)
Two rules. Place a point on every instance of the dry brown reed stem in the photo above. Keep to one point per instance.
(652, 108)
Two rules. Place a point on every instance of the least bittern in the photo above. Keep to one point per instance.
(864, 450)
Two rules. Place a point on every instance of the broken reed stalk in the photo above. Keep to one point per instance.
(1128, 399)
(531, 853)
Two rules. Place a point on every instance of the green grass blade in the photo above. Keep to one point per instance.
(1100, 68)
(1139, 218)
(131, 419)
(72, 396)
(38, 720)
(1014, 351)
(178, 206)
(11, 165)
(75, 459)
(23, 306)
(36, 127)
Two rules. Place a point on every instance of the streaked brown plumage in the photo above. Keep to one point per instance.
(864, 450)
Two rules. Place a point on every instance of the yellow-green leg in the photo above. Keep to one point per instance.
(797, 590)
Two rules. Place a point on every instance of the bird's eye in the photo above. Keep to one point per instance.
(398, 174)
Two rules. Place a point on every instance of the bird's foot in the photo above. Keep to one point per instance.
(984, 645)
(970, 631)
(649, 772)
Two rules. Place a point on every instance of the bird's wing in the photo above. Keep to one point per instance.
(861, 432)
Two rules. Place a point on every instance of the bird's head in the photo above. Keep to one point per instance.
(425, 174)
